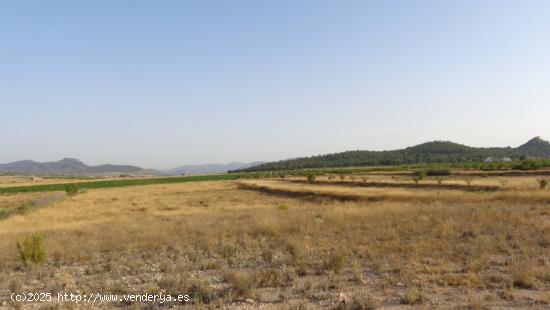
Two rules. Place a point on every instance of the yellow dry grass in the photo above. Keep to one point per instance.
(510, 195)
(244, 249)
(506, 182)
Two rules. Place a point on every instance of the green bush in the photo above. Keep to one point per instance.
(311, 178)
(31, 250)
(434, 172)
(528, 165)
(542, 183)
(71, 189)
(421, 175)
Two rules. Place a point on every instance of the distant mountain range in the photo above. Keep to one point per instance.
(430, 152)
(72, 167)
(210, 168)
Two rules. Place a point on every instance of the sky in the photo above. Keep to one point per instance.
(160, 84)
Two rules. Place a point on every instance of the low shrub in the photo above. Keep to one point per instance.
(336, 260)
(275, 277)
(419, 176)
(361, 302)
(296, 251)
(31, 250)
(524, 280)
(411, 296)
(200, 291)
(241, 283)
(434, 172)
(71, 189)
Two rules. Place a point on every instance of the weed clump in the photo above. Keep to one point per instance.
(542, 183)
(282, 207)
(362, 302)
(274, 277)
(508, 294)
(31, 250)
(241, 283)
(411, 296)
(524, 281)
(336, 261)
(311, 178)
(200, 291)
(296, 253)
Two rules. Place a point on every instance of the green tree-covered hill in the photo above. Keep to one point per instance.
(430, 152)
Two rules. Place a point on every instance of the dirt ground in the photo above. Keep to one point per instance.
(275, 244)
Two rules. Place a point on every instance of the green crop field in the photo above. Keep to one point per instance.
(115, 183)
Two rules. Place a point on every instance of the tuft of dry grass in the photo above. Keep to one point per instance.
(336, 260)
(411, 296)
(524, 280)
(241, 283)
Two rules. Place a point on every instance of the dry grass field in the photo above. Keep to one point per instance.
(290, 244)
(10, 181)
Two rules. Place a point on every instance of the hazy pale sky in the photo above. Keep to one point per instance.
(164, 83)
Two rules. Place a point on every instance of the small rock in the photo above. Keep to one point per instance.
(343, 298)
